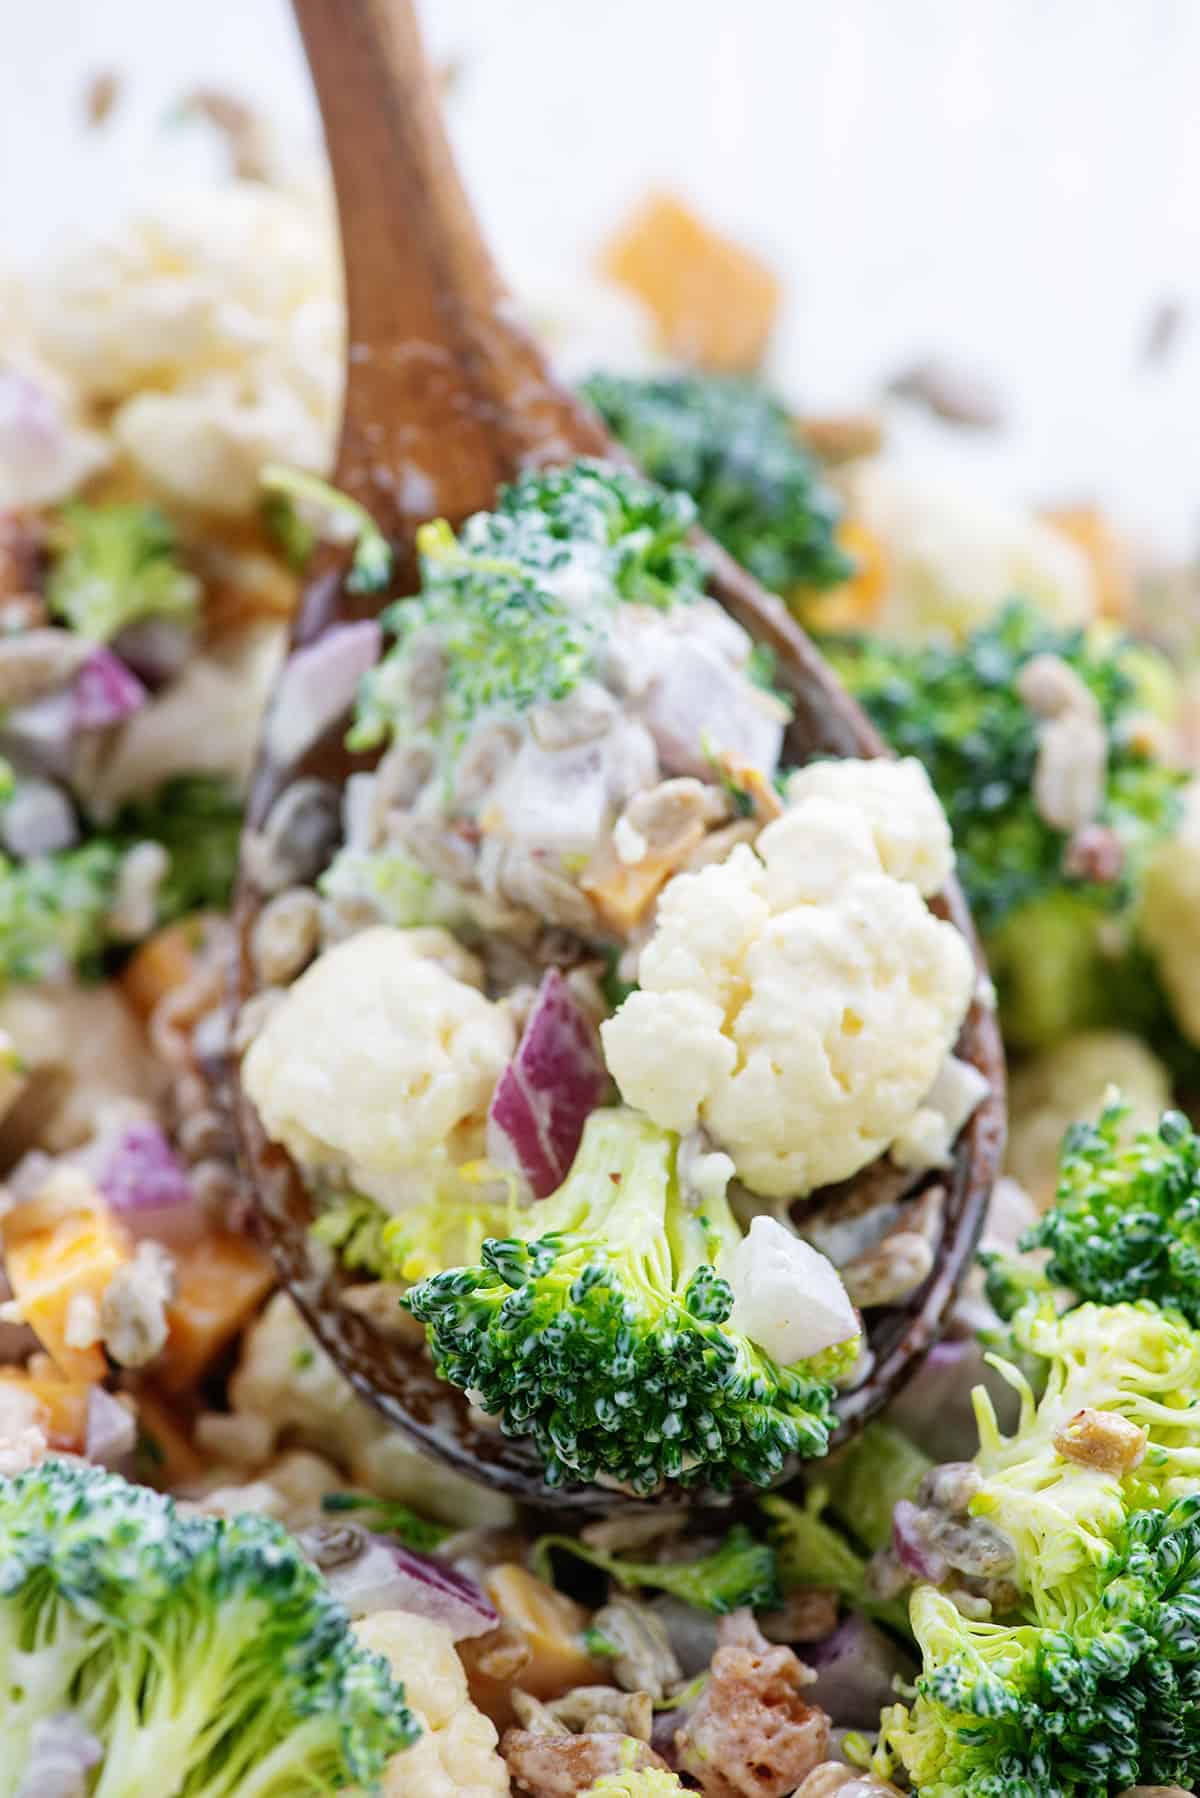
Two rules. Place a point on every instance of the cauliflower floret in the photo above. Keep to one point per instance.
(787, 1296)
(378, 1062)
(798, 1002)
(286, 1380)
(1069, 1083)
(955, 1096)
(212, 325)
(456, 1756)
(47, 449)
(902, 810)
(953, 558)
(1169, 922)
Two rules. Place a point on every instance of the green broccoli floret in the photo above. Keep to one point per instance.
(740, 1572)
(500, 601)
(734, 448)
(602, 1331)
(54, 911)
(959, 712)
(445, 1230)
(1088, 1680)
(205, 1655)
(1125, 1223)
(113, 565)
(198, 820)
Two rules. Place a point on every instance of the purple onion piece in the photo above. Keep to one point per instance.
(318, 686)
(388, 1577)
(548, 1091)
(935, 1408)
(856, 1668)
(912, 1550)
(147, 1185)
(62, 1753)
(106, 692)
(111, 1431)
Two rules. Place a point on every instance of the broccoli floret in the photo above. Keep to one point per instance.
(740, 1572)
(601, 1330)
(734, 448)
(1125, 1223)
(1112, 1702)
(113, 565)
(198, 820)
(500, 603)
(201, 1652)
(958, 710)
(54, 911)
(1087, 1681)
(289, 493)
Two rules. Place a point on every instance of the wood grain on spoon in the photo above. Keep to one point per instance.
(447, 398)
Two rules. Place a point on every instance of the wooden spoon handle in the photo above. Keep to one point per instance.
(447, 395)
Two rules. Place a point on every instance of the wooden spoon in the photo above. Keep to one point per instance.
(447, 397)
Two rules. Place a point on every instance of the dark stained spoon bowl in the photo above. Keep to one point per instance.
(446, 399)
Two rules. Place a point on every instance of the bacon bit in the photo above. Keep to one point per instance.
(1095, 853)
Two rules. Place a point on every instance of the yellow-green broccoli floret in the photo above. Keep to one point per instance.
(113, 565)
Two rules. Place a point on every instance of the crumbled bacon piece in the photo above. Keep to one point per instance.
(560, 1766)
(750, 1734)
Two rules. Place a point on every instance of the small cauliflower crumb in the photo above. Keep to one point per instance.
(378, 1063)
(786, 1296)
(133, 1314)
(456, 1755)
(22, 1436)
(795, 999)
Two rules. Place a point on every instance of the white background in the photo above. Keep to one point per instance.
(1014, 184)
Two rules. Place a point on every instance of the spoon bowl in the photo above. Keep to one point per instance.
(447, 398)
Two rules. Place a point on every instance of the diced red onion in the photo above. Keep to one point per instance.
(318, 686)
(61, 1755)
(549, 1089)
(691, 1633)
(147, 1185)
(106, 692)
(111, 1430)
(912, 1550)
(935, 1408)
(388, 1577)
(856, 1668)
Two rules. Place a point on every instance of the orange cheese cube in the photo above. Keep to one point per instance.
(222, 1280)
(52, 1261)
(713, 302)
(62, 1406)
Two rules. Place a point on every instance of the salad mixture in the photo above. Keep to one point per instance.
(619, 1055)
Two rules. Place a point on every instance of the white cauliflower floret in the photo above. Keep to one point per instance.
(901, 809)
(378, 1062)
(787, 1296)
(286, 1380)
(1068, 1083)
(1169, 920)
(456, 1756)
(955, 1096)
(211, 324)
(798, 1002)
(953, 558)
(47, 447)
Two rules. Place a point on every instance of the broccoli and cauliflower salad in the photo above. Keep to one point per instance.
(619, 1056)
(597, 993)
